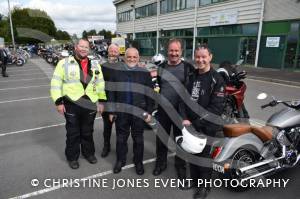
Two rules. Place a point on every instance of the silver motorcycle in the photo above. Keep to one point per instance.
(249, 152)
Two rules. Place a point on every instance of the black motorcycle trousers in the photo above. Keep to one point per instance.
(203, 169)
(107, 126)
(80, 127)
(164, 130)
(126, 124)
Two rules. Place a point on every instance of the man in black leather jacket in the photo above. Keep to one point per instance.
(132, 107)
(206, 103)
(172, 76)
(3, 61)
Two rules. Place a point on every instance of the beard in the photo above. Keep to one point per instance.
(112, 60)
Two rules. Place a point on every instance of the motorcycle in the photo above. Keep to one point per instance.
(248, 152)
(234, 93)
(15, 59)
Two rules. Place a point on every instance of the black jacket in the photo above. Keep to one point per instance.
(140, 84)
(108, 70)
(3, 57)
(211, 102)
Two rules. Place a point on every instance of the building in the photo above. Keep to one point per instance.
(263, 33)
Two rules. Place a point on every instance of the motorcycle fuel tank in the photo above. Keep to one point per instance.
(285, 118)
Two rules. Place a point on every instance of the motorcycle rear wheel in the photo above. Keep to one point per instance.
(241, 158)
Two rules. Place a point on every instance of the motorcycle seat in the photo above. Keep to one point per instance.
(234, 130)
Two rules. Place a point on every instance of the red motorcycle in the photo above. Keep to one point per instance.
(234, 111)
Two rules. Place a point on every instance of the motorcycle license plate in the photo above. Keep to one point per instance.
(218, 168)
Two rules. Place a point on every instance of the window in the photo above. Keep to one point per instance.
(163, 7)
(206, 2)
(178, 33)
(146, 11)
(173, 5)
(203, 31)
(236, 29)
(250, 29)
(145, 34)
(125, 16)
(190, 3)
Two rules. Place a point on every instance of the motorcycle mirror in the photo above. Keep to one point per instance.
(295, 102)
(261, 96)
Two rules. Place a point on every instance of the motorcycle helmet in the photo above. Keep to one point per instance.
(191, 141)
(158, 59)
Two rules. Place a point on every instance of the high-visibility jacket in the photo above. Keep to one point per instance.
(66, 81)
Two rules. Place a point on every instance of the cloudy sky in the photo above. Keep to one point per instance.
(73, 16)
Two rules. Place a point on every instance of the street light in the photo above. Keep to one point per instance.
(11, 27)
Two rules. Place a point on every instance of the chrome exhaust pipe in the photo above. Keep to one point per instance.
(261, 173)
(242, 170)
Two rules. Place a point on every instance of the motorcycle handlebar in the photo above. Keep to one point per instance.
(272, 103)
(265, 106)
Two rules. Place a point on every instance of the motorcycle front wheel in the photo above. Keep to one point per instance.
(19, 62)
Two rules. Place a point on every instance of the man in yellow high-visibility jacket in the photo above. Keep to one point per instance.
(77, 88)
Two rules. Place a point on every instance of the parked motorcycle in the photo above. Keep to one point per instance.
(15, 59)
(248, 152)
(234, 108)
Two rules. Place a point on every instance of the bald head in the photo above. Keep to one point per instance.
(132, 57)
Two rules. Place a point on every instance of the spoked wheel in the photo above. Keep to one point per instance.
(240, 159)
(49, 60)
(19, 62)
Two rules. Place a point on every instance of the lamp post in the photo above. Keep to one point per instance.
(11, 27)
(133, 21)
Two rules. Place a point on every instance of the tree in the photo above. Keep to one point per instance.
(62, 35)
(31, 26)
(106, 33)
(32, 19)
(4, 30)
(84, 34)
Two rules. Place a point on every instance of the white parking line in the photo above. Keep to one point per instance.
(23, 87)
(19, 75)
(36, 129)
(33, 129)
(24, 99)
(17, 67)
(33, 69)
(280, 84)
(19, 80)
(98, 175)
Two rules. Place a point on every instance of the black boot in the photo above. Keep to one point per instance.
(201, 193)
(105, 151)
(4, 74)
(181, 174)
(159, 168)
(118, 166)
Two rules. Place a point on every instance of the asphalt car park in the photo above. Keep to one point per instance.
(32, 141)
